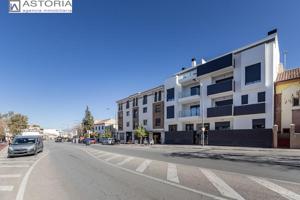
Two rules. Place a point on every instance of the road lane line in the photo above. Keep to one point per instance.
(143, 166)
(13, 166)
(161, 180)
(172, 173)
(220, 185)
(276, 188)
(21, 191)
(113, 157)
(125, 161)
(6, 188)
(10, 175)
(14, 161)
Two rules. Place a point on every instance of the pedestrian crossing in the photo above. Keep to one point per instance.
(223, 184)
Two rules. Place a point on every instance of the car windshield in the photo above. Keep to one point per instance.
(23, 141)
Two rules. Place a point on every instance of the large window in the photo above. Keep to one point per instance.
(189, 127)
(127, 104)
(157, 122)
(222, 125)
(159, 96)
(144, 109)
(296, 102)
(195, 90)
(261, 97)
(145, 122)
(170, 94)
(245, 99)
(144, 99)
(258, 123)
(173, 128)
(252, 74)
(170, 112)
(120, 107)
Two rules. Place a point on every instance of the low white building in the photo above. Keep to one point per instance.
(101, 125)
(51, 134)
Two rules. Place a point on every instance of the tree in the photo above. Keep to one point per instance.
(17, 123)
(141, 133)
(88, 121)
(2, 128)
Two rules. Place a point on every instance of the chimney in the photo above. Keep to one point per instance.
(203, 61)
(194, 63)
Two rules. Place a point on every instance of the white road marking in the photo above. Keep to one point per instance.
(13, 166)
(6, 188)
(143, 166)
(162, 181)
(125, 161)
(172, 173)
(15, 161)
(98, 152)
(10, 175)
(102, 155)
(220, 185)
(113, 157)
(21, 191)
(276, 188)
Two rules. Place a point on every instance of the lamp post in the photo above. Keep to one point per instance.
(202, 108)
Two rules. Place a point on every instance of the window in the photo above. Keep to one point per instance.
(144, 109)
(170, 112)
(127, 124)
(127, 113)
(173, 128)
(159, 96)
(195, 110)
(145, 122)
(296, 102)
(252, 74)
(127, 104)
(144, 99)
(157, 108)
(120, 107)
(155, 97)
(245, 99)
(157, 122)
(170, 94)
(224, 102)
(222, 125)
(258, 123)
(189, 127)
(261, 97)
(195, 90)
(135, 113)
(224, 80)
(135, 102)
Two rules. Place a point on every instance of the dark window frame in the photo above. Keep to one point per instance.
(157, 122)
(244, 99)
(159, 96)
(251, 74)
(145, 99)
(145, 124)
(127, 104)
(145, 110)
(261, 97)
(259, 123)
(296, 101)
(222, 125)
(171, 94)
(170, 112)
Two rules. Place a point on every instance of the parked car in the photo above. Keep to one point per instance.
(109, 141)
(89, 141)
(58, 139)
(25, 145)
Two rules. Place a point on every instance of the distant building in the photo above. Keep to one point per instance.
(101, 125)
(50, 134)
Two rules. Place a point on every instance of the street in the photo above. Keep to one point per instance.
(73, 171)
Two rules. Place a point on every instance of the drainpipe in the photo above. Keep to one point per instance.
(202, 108)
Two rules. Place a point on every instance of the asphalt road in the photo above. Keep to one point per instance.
(70, 171)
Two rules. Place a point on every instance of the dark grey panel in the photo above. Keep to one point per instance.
(179, 137)
(250, 109)
(219, 87)
(214, 65)
(219, 111)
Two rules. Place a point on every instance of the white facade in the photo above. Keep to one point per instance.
(101, 125)
(190, 105)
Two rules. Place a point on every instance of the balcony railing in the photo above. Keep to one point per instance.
(220, 87)
(189, 94)
(219, 111)
(250, 109)
(189, 113)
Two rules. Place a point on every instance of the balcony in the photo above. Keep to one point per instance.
(219, 111)
(221, 87)
(188, 76)
(189, 114)
(189, 97)
(250, 109)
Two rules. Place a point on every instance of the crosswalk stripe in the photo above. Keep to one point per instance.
(125, 161)
(10, 175)
(7, 188)
(143, 166)
(276, 188)
(220, 185)
(112, 157)
(172, 173)
(102, 155)
(13, 166)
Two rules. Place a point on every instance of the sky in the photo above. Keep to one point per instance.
(53, 65)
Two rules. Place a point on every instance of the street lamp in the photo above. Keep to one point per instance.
(202, 108)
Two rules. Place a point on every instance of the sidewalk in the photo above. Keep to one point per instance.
(286, 157)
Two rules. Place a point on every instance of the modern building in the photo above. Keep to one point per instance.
(145, 109)
(231, 91)
(287, 105)
(101, 125)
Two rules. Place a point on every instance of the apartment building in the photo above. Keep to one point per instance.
(231, 91)
(145, 109)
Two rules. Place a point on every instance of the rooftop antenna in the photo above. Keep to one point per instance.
(284, 58)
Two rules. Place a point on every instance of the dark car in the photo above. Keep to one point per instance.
(25, 145)
(58, 139)
(89, 141)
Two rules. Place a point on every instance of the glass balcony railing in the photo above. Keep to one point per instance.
(189, 113)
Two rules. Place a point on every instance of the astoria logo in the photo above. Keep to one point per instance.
(40, 6)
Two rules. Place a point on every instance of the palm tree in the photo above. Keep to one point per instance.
(141, 133)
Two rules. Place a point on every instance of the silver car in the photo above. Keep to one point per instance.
(25, 145)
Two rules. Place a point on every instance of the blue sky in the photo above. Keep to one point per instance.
(53, 65)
